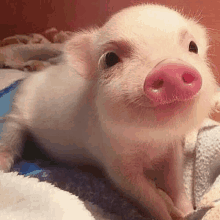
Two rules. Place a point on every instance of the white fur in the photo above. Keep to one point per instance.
(81, 112)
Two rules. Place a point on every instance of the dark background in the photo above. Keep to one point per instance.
(28, 16)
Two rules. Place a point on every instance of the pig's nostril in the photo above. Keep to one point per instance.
(188, 78)
(158, 84)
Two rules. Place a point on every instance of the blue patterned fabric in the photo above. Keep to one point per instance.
(6, 98)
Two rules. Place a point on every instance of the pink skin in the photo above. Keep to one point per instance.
(180, 83)
(172, 82)
(128, 117)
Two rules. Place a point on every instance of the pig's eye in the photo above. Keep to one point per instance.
(111, 59)
(193, 47)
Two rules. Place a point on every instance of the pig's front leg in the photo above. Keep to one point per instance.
(12, 140)
(145, 193)
(168, 174)
(139, 177)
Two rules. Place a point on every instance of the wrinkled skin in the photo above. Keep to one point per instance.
(124, 99)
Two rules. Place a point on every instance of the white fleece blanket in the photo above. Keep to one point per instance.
(27, 198)
(202, 169)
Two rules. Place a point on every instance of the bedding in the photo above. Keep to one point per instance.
(82, 192)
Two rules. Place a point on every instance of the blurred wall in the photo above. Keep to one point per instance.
(28, 16)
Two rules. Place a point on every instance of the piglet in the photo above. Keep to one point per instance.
(124, 98)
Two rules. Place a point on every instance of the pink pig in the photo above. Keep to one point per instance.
(124, 99)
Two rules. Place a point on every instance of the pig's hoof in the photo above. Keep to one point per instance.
(175, 213)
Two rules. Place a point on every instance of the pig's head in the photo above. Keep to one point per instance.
(149, 70)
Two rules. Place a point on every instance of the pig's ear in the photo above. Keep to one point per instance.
(79, 53)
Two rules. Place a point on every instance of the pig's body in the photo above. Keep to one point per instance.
(128, 111)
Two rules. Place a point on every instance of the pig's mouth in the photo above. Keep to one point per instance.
(142, 103)
(170, 104)
(173, 103)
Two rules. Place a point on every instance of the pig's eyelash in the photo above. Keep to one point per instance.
(108, 60)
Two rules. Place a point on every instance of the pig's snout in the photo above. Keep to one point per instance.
(171, 82)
